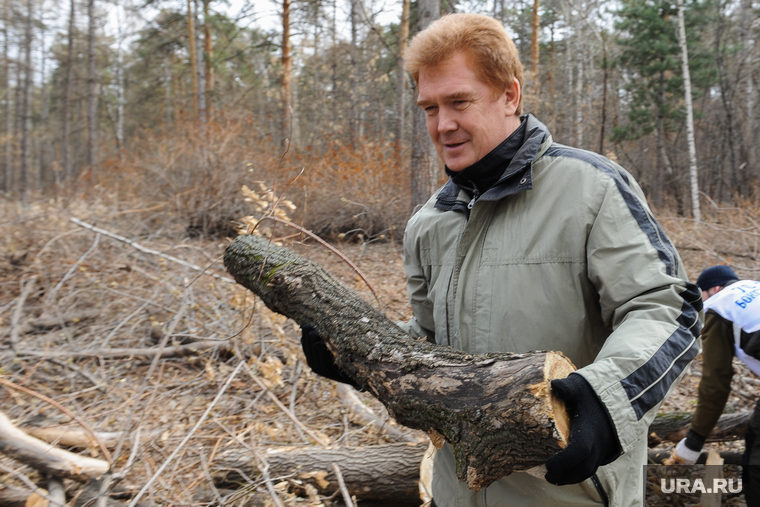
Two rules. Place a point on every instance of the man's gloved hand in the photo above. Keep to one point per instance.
(319, 358)
(687, 451)
(593, 440)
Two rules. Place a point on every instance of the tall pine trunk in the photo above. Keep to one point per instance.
(208, 54)
(26, 133)
(65, 141)
(5, 182)
(193, 57)
(689, 115)
(401, 80)
(534, 56)
(92, 90)
(424, 162)
(286, 72)
(199, 67)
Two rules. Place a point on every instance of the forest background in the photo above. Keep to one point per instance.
(168, 122)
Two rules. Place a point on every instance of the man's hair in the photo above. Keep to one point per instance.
(494, 54)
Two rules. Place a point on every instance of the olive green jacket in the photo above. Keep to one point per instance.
(561, 254)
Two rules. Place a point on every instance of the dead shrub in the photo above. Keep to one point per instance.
(354, 192)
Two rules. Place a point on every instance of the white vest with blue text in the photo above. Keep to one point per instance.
(739, 303)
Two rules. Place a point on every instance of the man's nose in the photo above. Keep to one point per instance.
(447, 120)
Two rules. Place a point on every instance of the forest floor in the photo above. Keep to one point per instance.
(82, 316)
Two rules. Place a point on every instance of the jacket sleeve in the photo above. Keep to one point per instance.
(717, 371)
(646, 301)
(422, 323)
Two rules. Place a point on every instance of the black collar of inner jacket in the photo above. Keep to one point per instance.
(482, 175)
(514, 171)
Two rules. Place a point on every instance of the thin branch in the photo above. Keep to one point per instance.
(187, 437)
(342, 486)
(82, 422)
(143, 249)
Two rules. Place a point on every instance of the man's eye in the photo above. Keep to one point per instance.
(431, 110)
(460, 104)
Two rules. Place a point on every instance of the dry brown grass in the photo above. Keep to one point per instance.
(137, 295)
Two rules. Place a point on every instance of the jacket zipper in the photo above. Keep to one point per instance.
(475, 195)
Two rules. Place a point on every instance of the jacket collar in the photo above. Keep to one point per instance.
(513, 159)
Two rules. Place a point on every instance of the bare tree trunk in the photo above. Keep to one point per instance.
(26, 134)
(496, 410)
(286, 72)
(534, 55)
(208, 53)
(355, 73)
(119, 81)
(92, 90)
(401, 81)
(193, 57)
(199, 66)
(424, 162)
(689, 115)
(168, 102)
(65, 141)
(5, 182)
(748, 43)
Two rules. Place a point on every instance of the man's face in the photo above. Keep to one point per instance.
(465, 119)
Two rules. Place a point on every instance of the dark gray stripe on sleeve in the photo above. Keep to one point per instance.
(657, 237)
(649, 384)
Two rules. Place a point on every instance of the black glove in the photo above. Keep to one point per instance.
(593, 440)
(319, 358)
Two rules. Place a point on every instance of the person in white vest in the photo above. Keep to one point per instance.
(732, 328)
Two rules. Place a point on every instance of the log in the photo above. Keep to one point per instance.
(729, 457)
(496, 409)
(46, 458)
(673, 426)
(387, 474)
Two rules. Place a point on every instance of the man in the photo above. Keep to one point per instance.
(536, 246)
(732, 328)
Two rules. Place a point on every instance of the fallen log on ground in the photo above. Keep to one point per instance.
(729, 457)
(495, 409)
(383, 473)
(46, 458)
(672, 427)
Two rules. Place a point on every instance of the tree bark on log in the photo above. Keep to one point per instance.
(46, 458)
(496, 409)
(672, 427)
(383, 473)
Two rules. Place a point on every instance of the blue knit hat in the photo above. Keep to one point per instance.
(715, 276)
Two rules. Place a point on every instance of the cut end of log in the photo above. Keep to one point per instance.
(558, 366)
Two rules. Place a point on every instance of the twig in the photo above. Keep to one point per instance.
(26, 288)
(51, 295)
(261, 464)
(187, 437)
(152, 368)
(282, 407)
(329, 247)
(178, 350)
(342, 485)
(96, 382)
(143, 249)
(82, 422)
(204, 466)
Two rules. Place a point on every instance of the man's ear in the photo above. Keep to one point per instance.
(512, 97)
